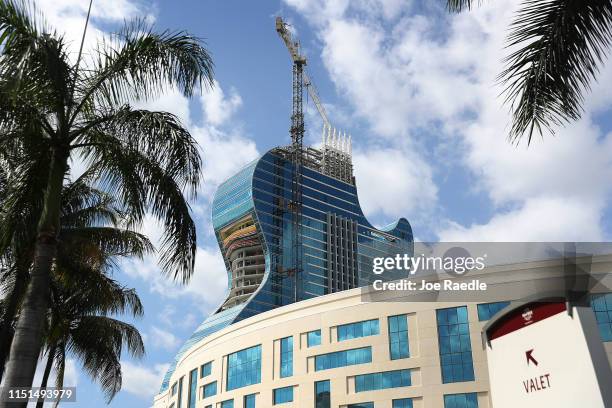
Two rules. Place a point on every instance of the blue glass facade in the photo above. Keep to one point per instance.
(398, 337)
(244, 368)
(361, 405)
(192, 396)
(461, 400)
(205, 369)
(286, 357)
(227, 404)
(454, 345)
(602, 306)
(313, 338)
(209, 390)
(282, 395)
(343, 358)
(249, 401)
(358, 329)
(402, 403)
(487, 310)
(332, 223)
(322, 394)
(382, 380)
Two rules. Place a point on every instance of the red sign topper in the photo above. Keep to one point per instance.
(530, 314)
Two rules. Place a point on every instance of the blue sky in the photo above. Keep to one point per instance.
(414, 86)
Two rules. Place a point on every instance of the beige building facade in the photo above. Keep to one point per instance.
(351, 381)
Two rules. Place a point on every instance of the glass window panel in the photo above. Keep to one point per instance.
(244, 368)
(358, 329)
(469, 400)
(313, 338)
(282, 395)
(455, 348)
(343, 358)
(382, 380)
(602, 306)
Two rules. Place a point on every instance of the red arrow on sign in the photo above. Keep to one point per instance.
(529, 356)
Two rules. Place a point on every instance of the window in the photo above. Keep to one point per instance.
(455, 346)
(343, 358)
(282, 395)
(313, 338)
(602, 306)
(180, 392)
(358, 329)
(361, 405)
(487, 310)
(383, 380)
(244, 368)
(209, 390)
(461, 400)
(171, 405)
(205, 369)
(208, 406)
(249, 401)
(193, 388)
(322, 392)
(402, 403)
(398, 337)
(286, 357)
(174, 388)
(227, 404)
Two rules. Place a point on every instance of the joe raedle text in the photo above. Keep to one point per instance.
(426, 286)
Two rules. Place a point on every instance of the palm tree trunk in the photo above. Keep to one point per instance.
(43, 383)
(27, 341)
(6, 330)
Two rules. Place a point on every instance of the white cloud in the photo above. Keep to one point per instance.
(217, 107)
(142, 381)
(434, 73)
(161, 338)
(393, 183)
(538, 220)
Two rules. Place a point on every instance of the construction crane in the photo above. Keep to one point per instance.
(299, 59)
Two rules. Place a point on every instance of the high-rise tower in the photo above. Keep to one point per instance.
(254, 224)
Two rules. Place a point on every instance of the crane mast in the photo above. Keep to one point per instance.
(294, 50)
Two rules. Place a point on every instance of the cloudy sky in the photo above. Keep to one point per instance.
(416, 89)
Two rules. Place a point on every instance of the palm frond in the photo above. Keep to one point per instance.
(561, 44)
(98, 342)
(145, 185)
(457, 6)
(140, 63)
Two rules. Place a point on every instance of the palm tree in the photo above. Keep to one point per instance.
(559, 47)
(144, 158)
(83, 296)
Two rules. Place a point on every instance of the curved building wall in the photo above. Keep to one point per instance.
(443, 357)
(253, 222)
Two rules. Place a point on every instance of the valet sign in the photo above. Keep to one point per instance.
(541, 356)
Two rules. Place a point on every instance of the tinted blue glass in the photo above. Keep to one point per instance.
(244, 368)
(180, 392)
(361, 405)
(602, 307)
(454, 344)
(487, 310)
(227, 404)
(286, 357)
(313, 338)
(205, 369)
(209, 390)
(398, 337)
(249, 401)
(322, 394)
(358, 329)
(461, 400)
(382, 380)
(402, 403)
(174, 388)
(282, 395)
(193, 388)
(343, 358)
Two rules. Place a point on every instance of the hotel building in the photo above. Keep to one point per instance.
(296, 329)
